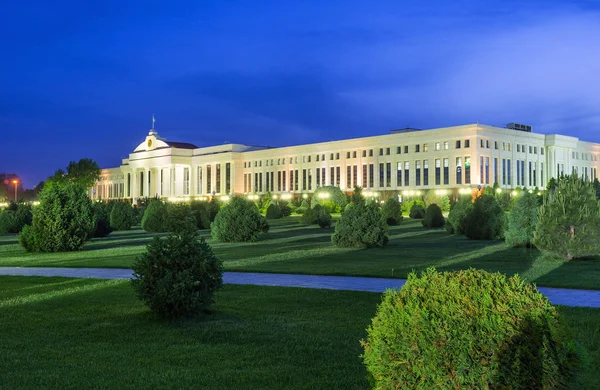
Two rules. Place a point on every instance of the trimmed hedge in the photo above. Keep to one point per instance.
(155, 217)
(392, 212)
(178, 275)
(273, 212)
(102, 226)
(486, 220)
(468, 329)
(239, 221)
(121, 216)
(417, 212)
(433, 217)
(361, 226)
(62, 222)
(459, 212)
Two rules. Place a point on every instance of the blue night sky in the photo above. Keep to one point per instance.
(82, 80)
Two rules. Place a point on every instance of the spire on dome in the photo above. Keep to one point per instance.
(152, 129)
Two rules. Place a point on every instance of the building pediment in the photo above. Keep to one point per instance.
(152, 141)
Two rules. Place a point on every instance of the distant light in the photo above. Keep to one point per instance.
(324, 195)
(514, 193)
(498, 190)
(15, 181)
(539, 194)
(286, 196)
(225, 198)
(531, 191)
(418, 193)
(304, 196)
(274, 196)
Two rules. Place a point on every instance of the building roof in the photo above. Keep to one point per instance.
(181, 145)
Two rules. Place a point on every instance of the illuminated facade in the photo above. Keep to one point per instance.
(450, 158)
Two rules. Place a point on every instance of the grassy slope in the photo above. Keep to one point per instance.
(292, 248)
(72, 333)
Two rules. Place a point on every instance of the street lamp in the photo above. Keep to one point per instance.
(15, 182)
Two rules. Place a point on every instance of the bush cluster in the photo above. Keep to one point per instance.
(102, 226)
(318, 215)
(457, 218)
(392, 212)
(274, 212)
(239, 221)
(433, 217)
(205, 212)
(15, 217)
(155, 217)
(468, 329)
(361, 226)
(178, 275)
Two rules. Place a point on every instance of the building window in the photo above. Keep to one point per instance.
(218, 178)
(268, 186)
(209, 180)
(438, 171)
(495, 171)
(337, 156)
(508, 175)
(509, 146)
(417, 148)
(348, 176)
(387, 151)
(530, 149)
(371, 175)
(317, 157)
(279, 181)
(370, 152)
(338, 176)
(496, 145)
(458, 144)
(487, 170)
(446, 145)
(304, 180)
(399, 174)
(199, 180)
(318, 178)
(535, 150)
(381, 151)
(364, 153)
(398, 149)
(417, 173)
(381, 175)
(425, 148)
(347, 154)
(437, 146)
(503, 171)
(530, 174)
(542, 151)
(309, 179)
(388, 174)
(227, 178)
(458, 170)
(487, 143)
(482, 143)
(405, 149)
(467, 143)
(331, 156)
(296, 180)
(364, 175)
(406, 173)
(518, 148)
(425, 172)
(283, 179)
(446, 171)
(467, 170)
(332, 176)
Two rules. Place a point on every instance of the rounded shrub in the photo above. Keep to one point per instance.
(300, 210)
(332, 198)
(63, 221)
(309, 217)
(392, 212)
(8, 222)
(569, 220)
(433, 217)
(102, 226)
(522, 220)
(178, 275)
(273, 212)
(15, 217)
(201, 213)
(486, 220)
(360, 226)
(121, 216)
(417, 211)
(179, 217)
(155, 217)
(239, 221)
(457, 217)
(323, 217)
(408, 205)
(468, 329)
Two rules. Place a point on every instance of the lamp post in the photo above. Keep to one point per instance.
(15, 182)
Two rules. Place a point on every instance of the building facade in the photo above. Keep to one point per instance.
(409, 160)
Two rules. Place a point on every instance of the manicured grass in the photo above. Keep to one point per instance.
(84, 333)
(292, 248)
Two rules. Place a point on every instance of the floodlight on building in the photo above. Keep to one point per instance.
(286, 196)
(539, 194)
(498, 190)
(274, 196)
(418, 193)
(225, 198)
(304, 196)
(515, 193)
(324, 195)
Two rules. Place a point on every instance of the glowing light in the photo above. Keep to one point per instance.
(286, 196)
(36, 203)
(441, 192)
(418, 193)
(304, 196)
(531, 191)
(15, 181)
(324, 195)
(539, 194)
(514, 193)
(498, 190)
(225, 198)
(274, 196)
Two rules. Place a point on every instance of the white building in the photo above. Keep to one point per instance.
(450, 158)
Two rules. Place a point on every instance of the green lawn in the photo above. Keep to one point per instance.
(292, 248)
(83, 333)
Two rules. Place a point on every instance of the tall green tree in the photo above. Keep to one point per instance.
(85, 172)
(522, 221)
(569, 220)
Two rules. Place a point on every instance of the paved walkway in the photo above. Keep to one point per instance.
(558, 296)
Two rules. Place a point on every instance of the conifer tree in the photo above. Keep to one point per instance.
(522, 221)
(569, 220)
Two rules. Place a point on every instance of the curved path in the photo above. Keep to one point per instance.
(558, 296)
